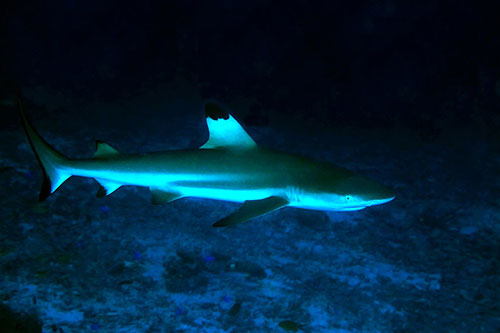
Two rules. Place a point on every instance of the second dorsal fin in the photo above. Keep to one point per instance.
(104, 150)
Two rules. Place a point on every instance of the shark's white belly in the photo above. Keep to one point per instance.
(223, 187)
(234, 195)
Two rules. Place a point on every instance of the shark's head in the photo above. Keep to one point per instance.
(356, 192)
(346, 192)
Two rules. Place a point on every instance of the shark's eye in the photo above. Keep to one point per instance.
(348, 198)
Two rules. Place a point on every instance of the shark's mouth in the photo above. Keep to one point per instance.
(350, 208)
(368, 204)
(381, 201)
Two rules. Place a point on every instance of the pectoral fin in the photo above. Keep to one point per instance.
(161, 196)
(251, 209)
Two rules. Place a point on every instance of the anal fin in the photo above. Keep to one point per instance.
(251, 209)
(106, 188)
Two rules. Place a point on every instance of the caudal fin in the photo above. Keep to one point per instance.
(52, 162)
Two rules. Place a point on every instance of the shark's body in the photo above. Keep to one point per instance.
(230, 166)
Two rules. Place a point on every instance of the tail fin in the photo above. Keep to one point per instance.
(52, 162)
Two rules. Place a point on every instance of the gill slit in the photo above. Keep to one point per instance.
(294, 194)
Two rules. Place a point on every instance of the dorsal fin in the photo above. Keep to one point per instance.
(104, 150)
(224, 131)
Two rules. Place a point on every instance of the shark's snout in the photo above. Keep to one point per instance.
(384, 194)
(380, 194)
(381, 201)
(368, 192)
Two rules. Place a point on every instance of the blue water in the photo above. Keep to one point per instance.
(404, 94)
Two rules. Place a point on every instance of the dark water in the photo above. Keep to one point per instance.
(408, 95)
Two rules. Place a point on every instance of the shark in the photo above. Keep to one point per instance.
(229, 166)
